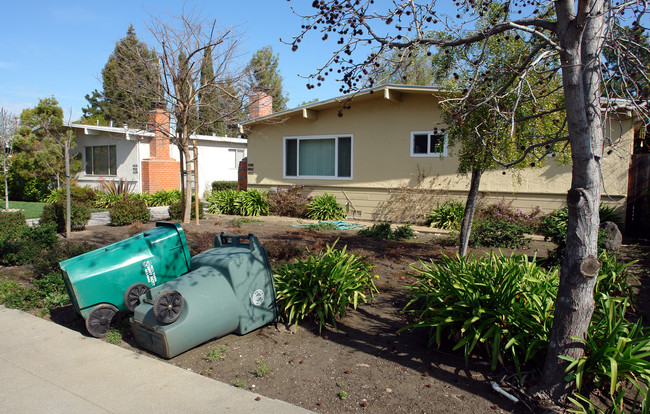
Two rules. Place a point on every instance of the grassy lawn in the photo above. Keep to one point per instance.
(30, 209)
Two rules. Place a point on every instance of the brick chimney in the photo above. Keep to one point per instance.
(160, 171)
(159, 122)
(261, 103)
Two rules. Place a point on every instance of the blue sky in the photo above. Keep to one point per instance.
(58, 48)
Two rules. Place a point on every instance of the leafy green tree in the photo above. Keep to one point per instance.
(209, 112)
(129, 81)
(39, 149)
(263, 72)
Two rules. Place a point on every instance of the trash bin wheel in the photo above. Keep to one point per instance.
(133, 293)
(168, 306)
(99, 319)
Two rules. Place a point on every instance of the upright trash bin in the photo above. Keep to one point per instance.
(228, 289)
(111, 279)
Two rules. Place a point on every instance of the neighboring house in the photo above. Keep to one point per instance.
(147, 159)
(387, 157)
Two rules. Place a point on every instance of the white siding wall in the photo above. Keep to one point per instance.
(126, 153)
(217, 162)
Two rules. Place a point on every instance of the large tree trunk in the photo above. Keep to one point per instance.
(468, 214)
(581, 40)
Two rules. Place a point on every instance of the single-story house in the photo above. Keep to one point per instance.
(387, 157)
(148, 160)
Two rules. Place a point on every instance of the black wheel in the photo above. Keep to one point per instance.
(168, 306)
(99, 319)
(133, 293)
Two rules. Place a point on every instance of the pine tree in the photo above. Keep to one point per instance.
(263, 72)
(208, 97)
(128, 94)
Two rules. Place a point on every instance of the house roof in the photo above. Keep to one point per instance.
(389, 92)
(97, 130)
(129, 133)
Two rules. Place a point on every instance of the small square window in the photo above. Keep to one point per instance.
(428, 144)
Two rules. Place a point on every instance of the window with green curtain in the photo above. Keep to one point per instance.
(327, 157)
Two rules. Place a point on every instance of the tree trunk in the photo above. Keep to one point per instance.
(66, 155)
(581, 40)
(187, 211)
(195, 151)
(182, 167)
(468, 214)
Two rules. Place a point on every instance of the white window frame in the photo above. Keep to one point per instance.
(429, 153)
(234, 152)
(336, 158)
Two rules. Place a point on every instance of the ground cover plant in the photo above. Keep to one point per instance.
(323, 286)
(385, 232)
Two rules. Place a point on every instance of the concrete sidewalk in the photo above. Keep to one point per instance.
(48, 368)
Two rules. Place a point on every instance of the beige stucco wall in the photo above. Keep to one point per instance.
(385, 175)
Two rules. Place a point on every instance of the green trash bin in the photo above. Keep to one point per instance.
(228, 290)
(111, 279)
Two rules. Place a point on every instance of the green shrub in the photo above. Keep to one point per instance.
(129, 211)
(176, 210)
(222, 202)
(56, 212)
(323, 286)
(325, 207)
(164, 198)
(224, 185)
(289, 202)
(251, 203)
(107, 200)
(12, 224)
(12, 230)
(79, 195)
(48, 259)
(530, 222)
(491, 232)
(447, 216)
(504, 305)
(385, 232)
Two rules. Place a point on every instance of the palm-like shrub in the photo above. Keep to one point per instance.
(323, 286)
(447, 216)
(502, 304)
(222, 202)
(325, 207)
(251, 203)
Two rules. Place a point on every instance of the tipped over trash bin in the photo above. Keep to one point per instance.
(229, 288)
(112, 278)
